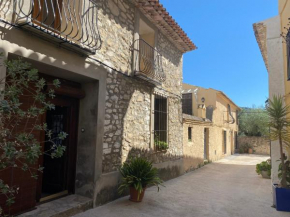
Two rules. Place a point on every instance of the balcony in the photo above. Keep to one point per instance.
(71, 24)
(148, 62)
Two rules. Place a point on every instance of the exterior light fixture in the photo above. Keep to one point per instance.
(202, 99)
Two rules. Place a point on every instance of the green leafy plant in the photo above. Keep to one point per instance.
(138, 173)
(279, 130)
(244, 148)
(161, 145)
(264, 166)
(253, 122)
(18, 146)
(287, 163)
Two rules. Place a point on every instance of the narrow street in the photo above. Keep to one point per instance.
(229, 187)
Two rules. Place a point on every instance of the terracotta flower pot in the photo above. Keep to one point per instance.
(250, 151)
(134, 195)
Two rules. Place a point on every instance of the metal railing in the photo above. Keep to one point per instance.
(148, 62)
(70, 21)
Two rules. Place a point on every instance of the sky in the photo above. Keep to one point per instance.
(228, 57)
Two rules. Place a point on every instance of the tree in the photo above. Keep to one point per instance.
(279, 130)
(253, 122)
(18, 145)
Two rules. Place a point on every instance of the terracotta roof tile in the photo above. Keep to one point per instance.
(155, 12)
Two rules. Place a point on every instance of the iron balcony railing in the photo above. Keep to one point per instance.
(148, 62)
(67, 22)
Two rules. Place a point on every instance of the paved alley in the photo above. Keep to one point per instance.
(227, 188)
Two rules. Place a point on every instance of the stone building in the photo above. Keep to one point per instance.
(120, 62)
(210, 125)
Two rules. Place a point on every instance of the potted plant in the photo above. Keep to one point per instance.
(161, 146)
(264, 169)
(250, 148)
(279, 130)
(137, 175)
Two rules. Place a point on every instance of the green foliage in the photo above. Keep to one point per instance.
(264, 166)
(138, 173)
(279, 125)
(253, 122)
(244, 148)
(18, 146)
(161, 145)
(287, 164)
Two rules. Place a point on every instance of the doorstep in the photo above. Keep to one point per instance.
(63, 207)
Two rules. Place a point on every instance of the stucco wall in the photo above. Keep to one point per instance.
(261, 145)
(276, 78)
(284, 10)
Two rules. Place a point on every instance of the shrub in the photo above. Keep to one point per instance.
(264, 166)
(138, 173)
(161, 145)
(244, 148)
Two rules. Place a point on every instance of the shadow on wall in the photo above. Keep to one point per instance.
(169, 167)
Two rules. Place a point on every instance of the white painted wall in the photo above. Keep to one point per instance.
(276, 78)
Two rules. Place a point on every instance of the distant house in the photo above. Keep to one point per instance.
(210, 124)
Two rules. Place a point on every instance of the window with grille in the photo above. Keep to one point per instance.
(187, 103)
(160, 123)
(189, 134)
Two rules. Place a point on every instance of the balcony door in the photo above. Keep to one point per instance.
(47, 13)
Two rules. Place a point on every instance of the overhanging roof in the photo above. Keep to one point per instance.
(261, 36)
(158, 15)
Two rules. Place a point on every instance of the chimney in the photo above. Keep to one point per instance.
(201, 111)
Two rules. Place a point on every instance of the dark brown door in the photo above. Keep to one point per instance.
(58, 177)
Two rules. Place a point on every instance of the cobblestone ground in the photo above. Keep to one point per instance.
(227, 188)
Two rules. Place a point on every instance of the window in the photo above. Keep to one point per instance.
(288, 55)
(160, 123)
(224, 141)
(189, 134)
(187, 103)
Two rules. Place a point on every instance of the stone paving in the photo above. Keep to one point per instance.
(227, 188)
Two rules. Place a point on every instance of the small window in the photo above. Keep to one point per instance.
(160, 123)
(189, 134)
(187, 103)
(225, 141)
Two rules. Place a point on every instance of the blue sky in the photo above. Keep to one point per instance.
(228, 57)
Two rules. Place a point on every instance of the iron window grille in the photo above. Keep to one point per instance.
(187, 103)
(148, 62)
(160, 123)
(69, 23)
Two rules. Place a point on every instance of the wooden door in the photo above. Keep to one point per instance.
(58, 177)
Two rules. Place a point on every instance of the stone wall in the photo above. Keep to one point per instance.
(128, 109)
(116, 20)
(261, 145)
(193, 149)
